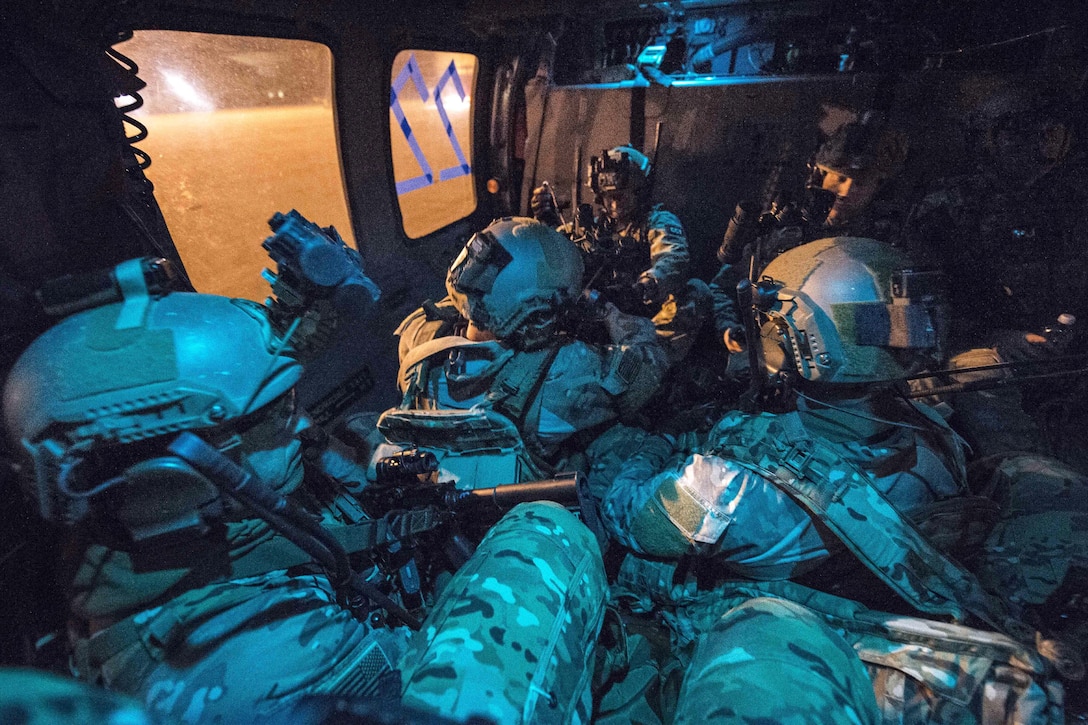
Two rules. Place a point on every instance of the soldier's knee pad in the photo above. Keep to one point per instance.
(511, 637)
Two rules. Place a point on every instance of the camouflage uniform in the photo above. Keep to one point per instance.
(708, 506)
(198, 640)
(256, 647)
(732, 522)
(920, 670)
(511, 638)
(656, 244)
(585, 385)
(639, 478)
(685, 302)
(193, 601)
(770, 660)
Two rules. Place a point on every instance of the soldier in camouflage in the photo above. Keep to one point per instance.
(189, 602)
(1011, 228)
(516, 286)
(848, 467)
(845, 195)
(636, 253)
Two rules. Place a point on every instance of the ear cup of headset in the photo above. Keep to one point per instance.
(163, 496)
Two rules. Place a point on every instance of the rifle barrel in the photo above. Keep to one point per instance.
(562, 489)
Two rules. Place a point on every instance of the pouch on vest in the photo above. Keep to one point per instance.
(475, 448)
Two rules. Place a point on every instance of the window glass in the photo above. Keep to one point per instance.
(239, 128)
(430, 124)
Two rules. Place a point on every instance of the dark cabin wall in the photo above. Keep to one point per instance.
(751, 138)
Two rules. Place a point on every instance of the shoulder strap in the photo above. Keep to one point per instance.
(517, 383)
(841, 495)
(425, 350)
(513, 391)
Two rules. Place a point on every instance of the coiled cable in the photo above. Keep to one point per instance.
(143, 159)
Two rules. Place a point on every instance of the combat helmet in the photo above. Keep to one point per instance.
(853, 163)
(125, 376)
(1021, 130)
(865, 145)
(513, 278)
(621, 168)
(850, 310)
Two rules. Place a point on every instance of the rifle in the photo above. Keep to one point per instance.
(405, 508)
(405, 481)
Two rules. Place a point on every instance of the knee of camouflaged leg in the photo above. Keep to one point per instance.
(511, 638)
(771, 660)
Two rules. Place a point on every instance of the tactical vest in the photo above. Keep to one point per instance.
(841, 495)
(486, 445)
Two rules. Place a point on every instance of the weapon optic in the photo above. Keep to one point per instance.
(407, 480)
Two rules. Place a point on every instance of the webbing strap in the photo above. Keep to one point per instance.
(425, 350)
(841, 495)
(513, 391)
(273, 555)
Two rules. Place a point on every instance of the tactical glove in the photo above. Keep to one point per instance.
(648, 289)
(542, 204)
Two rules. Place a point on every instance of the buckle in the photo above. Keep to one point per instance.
(798, 457)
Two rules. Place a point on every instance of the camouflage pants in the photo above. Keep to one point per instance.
(919, 670)
(771, 660)
(511, 637)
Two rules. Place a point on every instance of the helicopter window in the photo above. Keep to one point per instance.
(430, 125)
(239, 128)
